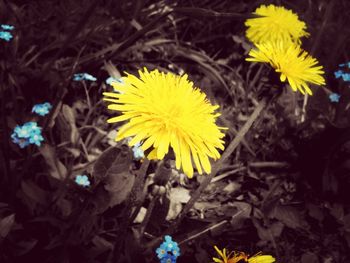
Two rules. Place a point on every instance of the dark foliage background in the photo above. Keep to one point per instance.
(284, 191)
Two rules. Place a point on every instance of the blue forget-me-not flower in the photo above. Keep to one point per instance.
(168, 251)
(7, 27)
(334, 97)
(342, 74)
(42, 109)
(5, 35)
(82, 180)
(28, 133)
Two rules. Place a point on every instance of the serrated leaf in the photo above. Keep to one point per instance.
(6, 225)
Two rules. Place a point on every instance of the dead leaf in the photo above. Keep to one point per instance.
(174, 210)
(202, 206)
(232, 187)
(141, 215)
(179, 195)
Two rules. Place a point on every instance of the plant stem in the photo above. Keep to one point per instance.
(227, 153)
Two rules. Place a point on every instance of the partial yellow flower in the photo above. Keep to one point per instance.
(274, 23)
(235, 258)
(294, 64)
(258, 258)
(164, 110)
(241, 257)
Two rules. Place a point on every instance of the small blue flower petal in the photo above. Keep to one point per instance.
(345, 65)
(23, 131)
(168, 259)
(338, 74)
(21, 142)
(36, 139)
(82, 180)
(89, 77)
(5, 35)
(110, 80)
(83, 76)
(7, 27)
(334, 97)
(161, 251)
(346, 76)
(168, 238)
(138, 152)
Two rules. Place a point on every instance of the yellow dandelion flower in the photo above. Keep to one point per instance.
(164, 110)
(235, 258)
(294, 64)
(274, 23)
